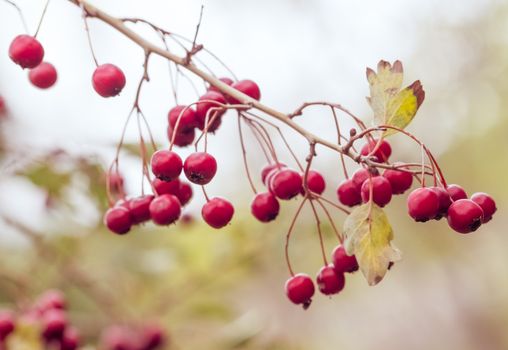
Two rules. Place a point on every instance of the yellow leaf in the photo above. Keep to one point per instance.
(391, 105)
(368, 236)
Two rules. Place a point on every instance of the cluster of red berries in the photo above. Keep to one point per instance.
(27, 51)
(48, 314)
(134, 337)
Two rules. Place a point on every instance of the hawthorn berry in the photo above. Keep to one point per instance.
(165, 209)
(248, 87)
(465, 216)
(200, 168)
(166, 187)
(166, 165)
(444, 201)
(361, 175)
(286, 184)
(6, 324)
(300, 289)
(152, 337)
(329, 281)
(26, 51)
(187, 119)
(423, 204)
(217, 212)
(382, 153)
(108, 80)
(265, 207)
(70, 339)
(139, 208)
(315, 182)
(400, 180)
(43, 76)
(51, 299)
(456, 192)
(184, 193)
(487, 203)
(182, 139)
(210, 100)
(381, 191)
(53, 322)
(118, 220)
(118, 338)
(342, 262)
(115, 182)
(267, 169)
(348, 193)
(225, 80)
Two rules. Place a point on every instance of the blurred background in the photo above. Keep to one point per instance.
(225, 289)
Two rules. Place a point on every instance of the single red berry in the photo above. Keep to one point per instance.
(43, 76)
(361, 175)
(140, 208)
(51, 299)
(210, 100)
(286, 184)
(487, 203)
(118, 220)
(226, 81)
(465, 216)
(152, 337)
(300, 289)
(265, 207)
(182, 139)
(115, 182)
(165, 209)
(423, 204)
(118, 338)
(6, 324)
(200, 168)
(187, 117)
(70, 339)
(382, 153)
(381, 191)
(184, 194)
(26, 51)
(166, 187)
(400, 180)
(53, 324)
(456, 192)
(330, 282)
(348, 193)
(444, 201)
(217, 212)
(166, 165)
(108, 80)
(315, 182)
(342, 262)
(267, 169)
(248, 87)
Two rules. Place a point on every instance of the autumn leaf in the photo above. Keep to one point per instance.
(391, 105)
(368, 236)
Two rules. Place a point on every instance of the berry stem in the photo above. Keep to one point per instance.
(42, 18)
(244, 154)
(20, 13)
(288, 235)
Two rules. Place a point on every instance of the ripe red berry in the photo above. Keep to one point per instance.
(51, 299)
(166, 187)
(423, 204)
(381, 191)
(348, 193)
(43, 76)
(382, 153)
(456, 192)
(248, 87)
(330, 282)
(300, 289)
(6, 324)
(465, 216)
(217, 212)
(166, 165)
(182, 139)
(267, 169)
(265, 207)
(315, 182)
(165, 209)
(115, 182)
(26, 51)
(53, 322)
(118, 220)
(487, 203)
(200, 168)
(400, 180)
(70, 339)
(184, 194)
(226, 81)
(210, 100)
(444, 201)
(152, 337)
(286, 184)
(187, 119)
(118, 338)
(361, 175)
(108, 80)
(140, 208)
(342, 262)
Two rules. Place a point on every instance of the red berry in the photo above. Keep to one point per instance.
(140, 208)
(118, 338)
(166, 187)
(26, 51)
(400, 180)
(267, 169)
(423, 204)
(51, 299)
(348, 193)
(217, 212)
(187, 118)
(108, 80)
(184, 194)
(382, 153)
(361, 175)
(300, 289)
(53, 324)
(200, 168)
(265, 207)
(115, 182)
(315, 182)
(342, 262)
(118, 220)
(286, 184)
(465, 216)
(165, 209)
(444, 201)
(210, 100)
(70, 339)
(166, 165)
(248, 87)
(152, 337)
(330, 282)
(226, 81)
(487, 203)
(43, 76)
(381, 191)
(182, 139)
(456, 192)
(6, 324)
